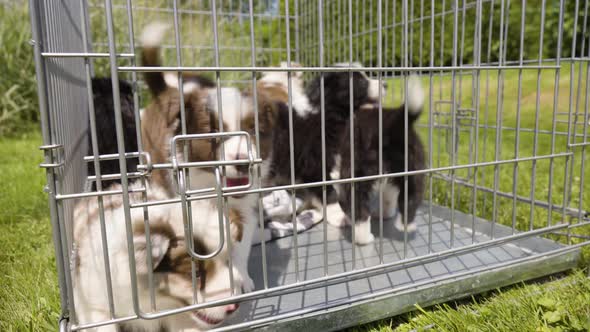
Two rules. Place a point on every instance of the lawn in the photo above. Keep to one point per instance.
(557, 305)
(29, 293)
(29, 299)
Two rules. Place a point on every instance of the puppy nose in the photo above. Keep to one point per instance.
(231, 308)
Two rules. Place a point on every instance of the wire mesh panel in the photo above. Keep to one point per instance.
(499, 92)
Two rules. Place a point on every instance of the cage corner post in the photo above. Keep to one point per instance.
(49, 162)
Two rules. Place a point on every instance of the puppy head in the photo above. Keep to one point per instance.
(161, 120)
(172, 273)
(239, 114)
(337, 89)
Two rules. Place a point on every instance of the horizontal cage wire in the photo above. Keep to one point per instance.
(278, 190)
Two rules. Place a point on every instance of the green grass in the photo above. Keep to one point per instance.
(561, 305)
(18, 99)
(486, 148)
(29, 298)
(28, 292)
(558, 305)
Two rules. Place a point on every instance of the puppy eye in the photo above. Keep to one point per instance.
(175, 243)
(165, 265)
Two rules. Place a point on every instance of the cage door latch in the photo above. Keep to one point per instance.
(53, 156)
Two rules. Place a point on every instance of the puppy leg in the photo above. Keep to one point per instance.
(335, 215)
(414, 200)
(240, 260)
(241, 253)
(398, 223)
(279, 204)
(362, 204)
(362, 230)
(390, 198)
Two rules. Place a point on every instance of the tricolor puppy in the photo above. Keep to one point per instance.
(366, 161)
(238, 111)
(161, 119)
(210, 110)
(163, 255)
(204, 114)
(307, 130)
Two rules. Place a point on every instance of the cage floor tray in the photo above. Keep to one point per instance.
(335, 304)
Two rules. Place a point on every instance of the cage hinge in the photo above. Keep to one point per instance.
(53, 153)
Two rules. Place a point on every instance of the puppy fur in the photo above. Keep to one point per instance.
(158, 82)
(161, 118)
(307, 132)
(204, 114)
(277, 83)
(104, 111)
(239, 114)
(366, 160)
(172, 270)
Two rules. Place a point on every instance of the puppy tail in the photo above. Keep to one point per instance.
(414, 98)
(151, 39)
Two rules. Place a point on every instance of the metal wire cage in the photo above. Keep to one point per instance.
(505, 127)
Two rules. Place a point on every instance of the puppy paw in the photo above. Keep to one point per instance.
(364, 239)
(362, 230)
(399, 224)
(242, 279)
(335, 216)
(247, 284)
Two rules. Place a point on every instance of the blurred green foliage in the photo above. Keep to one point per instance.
(18, 89)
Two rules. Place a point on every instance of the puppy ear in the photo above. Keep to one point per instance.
(297, 74)
(171, 110)
(159, 246)
(268, 110)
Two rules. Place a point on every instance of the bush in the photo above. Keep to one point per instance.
(18, 96)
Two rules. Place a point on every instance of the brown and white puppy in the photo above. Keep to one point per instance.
(160, 120)
(238, 111)
(366, 160)
(204, 114)
(170, 267)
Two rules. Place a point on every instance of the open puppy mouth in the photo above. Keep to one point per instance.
(206, 319)
(235, 182)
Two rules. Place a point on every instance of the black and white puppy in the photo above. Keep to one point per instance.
(104, 111)
(307, 130)
(366, 161)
